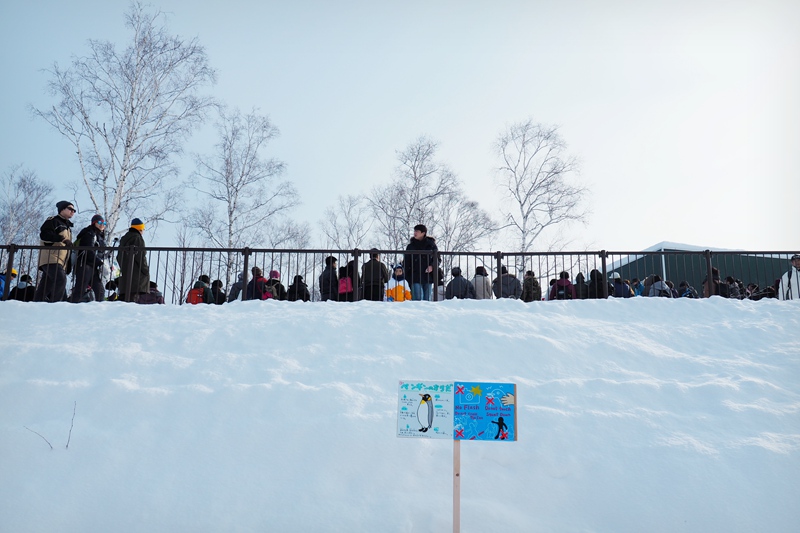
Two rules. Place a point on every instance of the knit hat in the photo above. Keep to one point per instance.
(63, 204)
(137, 224)
(274, 274)
(97, 218)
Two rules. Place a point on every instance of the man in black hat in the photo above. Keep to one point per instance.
(374, 277)
(89, 263)
(56, 235)
(789, 288)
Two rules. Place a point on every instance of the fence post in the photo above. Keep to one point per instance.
(435, 276)
(354, 276)
(603, 256)
(499, 256)
(709, 281)
(246, 253)
(12, 248)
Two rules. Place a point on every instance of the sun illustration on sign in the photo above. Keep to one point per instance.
(476, 390)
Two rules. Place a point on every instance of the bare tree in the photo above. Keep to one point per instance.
(535, 174)
(410, 198)
(128, 113)
(25, 201)
(346, 224)
(247, 201)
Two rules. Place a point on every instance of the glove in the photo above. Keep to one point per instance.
(67, 243)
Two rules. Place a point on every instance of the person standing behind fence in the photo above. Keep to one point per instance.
(3, 282)
(24, 291)
(218, 291)
(135, 272)
(275, 287)
(459, 287)
(596, 283)
(374, 276)
(506, 286)
(256, 287)
(329, 281)
(398, 290)
(236, 289)
(789, 287)
(531, 290)
(419, 266)
(54, 261)
(563, 289)
(483, 287)
(89, 263)
(298, 290)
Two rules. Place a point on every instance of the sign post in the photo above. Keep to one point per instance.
(458, 411)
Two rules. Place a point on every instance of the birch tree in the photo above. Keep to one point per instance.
(245, 201)
(346, 224)
(25, 202)
(425, 190)
(535, 175)
(128, 113)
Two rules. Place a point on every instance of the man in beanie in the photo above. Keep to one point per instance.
(89, 263)
(132, 260)
(789, 288)
(54, 261)
(419, 265)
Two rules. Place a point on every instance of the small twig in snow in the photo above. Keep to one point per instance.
(69, 437)
(32, 431)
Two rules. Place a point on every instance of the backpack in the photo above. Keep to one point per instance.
(664, 293)
(195, 296)
(345, 285)
(563, 294)
(268, 295)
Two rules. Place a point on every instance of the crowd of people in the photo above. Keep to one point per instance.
(413, 278)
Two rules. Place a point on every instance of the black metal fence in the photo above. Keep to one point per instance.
(175, 270)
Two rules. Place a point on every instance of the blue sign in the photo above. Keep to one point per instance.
(484, 411)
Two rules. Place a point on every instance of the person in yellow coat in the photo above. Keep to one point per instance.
(398, 290)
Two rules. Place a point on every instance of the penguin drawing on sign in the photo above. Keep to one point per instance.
(425, 412)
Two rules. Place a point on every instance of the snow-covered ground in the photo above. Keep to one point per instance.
(640, 415)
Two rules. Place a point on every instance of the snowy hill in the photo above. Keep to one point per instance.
(633, 415)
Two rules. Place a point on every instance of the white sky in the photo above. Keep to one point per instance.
(684, 114)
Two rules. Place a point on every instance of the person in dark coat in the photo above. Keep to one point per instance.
(298, 290)
(596, 283)
(531, 290)
(329, 281)
(274, 286)
(419, 266)
(24, 290)
(89, 263)
(236, 289)
(257, 286)
(563, 289)
(54, 261)
(374, 276)
(153, 296)
(218, 292)
(581, 287)
(135, 277)
(621, 289)
(506, 285)
(459, 287)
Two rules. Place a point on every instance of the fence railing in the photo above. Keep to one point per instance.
(175, 270)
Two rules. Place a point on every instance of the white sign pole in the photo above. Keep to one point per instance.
(456, 486)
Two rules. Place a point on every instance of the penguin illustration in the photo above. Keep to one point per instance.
(425, 412)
